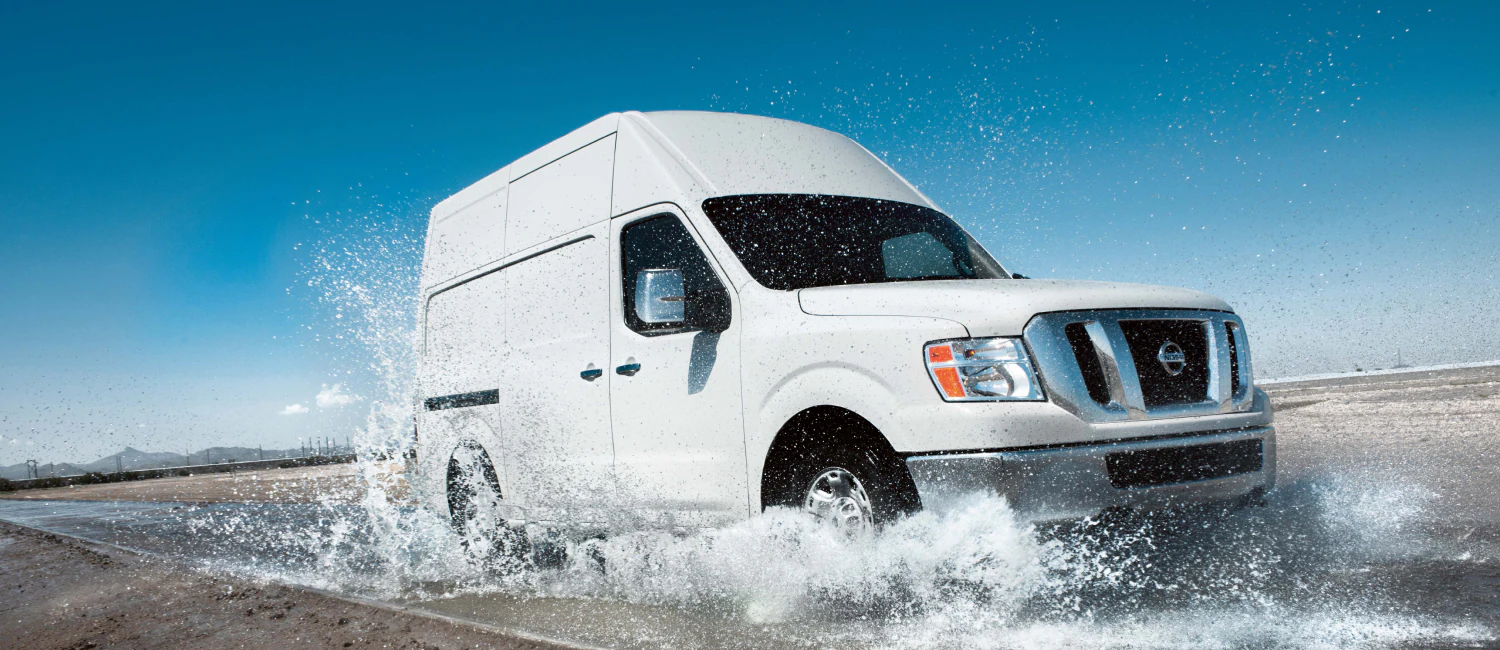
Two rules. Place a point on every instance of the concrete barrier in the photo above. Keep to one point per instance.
(184, 470)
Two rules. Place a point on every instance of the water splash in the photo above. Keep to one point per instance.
(362, 277)
(785, 566)
(1286, 575)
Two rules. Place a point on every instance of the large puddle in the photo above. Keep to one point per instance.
(1326, 564)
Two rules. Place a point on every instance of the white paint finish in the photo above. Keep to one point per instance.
(573, 141)
(996, 307)
(464, 337)
(646, 172)
(747, 154)
(481, 188)
(466, 239)
(679, 439)
(793, 361)
(561, 197)
(557, 424)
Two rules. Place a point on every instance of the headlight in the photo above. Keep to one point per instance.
(981, 370)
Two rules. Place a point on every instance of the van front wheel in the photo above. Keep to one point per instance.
(852, 489)
(839, 497)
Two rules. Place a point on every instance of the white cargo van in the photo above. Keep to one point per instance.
(680, 319)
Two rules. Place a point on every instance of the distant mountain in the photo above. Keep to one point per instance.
(132, 459)
(239, 454)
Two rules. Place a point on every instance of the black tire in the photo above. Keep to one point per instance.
(473, 507)
(883, 476)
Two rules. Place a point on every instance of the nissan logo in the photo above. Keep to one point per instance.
(1171, 357)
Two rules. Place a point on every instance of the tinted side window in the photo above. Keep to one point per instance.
(662, 242)
(918, 255)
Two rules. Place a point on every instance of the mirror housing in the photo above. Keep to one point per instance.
(709, 311)
(659, 298)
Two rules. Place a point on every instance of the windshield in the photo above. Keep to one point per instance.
(796, 241)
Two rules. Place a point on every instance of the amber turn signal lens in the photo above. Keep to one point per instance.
(948, 379)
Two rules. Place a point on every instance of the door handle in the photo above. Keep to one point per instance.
(628, 369)
(591, 374)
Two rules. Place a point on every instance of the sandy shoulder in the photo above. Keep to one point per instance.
(57, 593)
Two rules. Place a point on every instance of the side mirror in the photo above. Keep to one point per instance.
(659, 297)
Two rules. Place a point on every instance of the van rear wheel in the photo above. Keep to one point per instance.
(474, 508)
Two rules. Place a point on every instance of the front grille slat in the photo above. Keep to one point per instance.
(1088, 362)
(1165, 466)
(1234, 358)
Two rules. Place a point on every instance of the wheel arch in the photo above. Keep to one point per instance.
(819, 427)
(480, 460)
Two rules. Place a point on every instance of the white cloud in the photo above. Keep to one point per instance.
(294, 409)
(332, 396)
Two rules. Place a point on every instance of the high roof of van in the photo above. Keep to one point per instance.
(713, 154)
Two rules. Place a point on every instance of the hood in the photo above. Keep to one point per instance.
(996, 307)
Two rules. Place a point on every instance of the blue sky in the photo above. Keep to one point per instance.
(191, 194)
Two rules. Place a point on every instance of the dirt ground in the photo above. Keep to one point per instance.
(324, 483)
(60, 593)
(1439, 429)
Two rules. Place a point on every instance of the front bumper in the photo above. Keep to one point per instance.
(1074, 481)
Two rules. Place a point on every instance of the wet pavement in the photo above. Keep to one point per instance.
(1384, 532)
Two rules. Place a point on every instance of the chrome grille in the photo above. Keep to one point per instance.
(1119, 364)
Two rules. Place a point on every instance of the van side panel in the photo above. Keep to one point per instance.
(465, 337)
(561, 197)
(469, 195)
(467, 239)
(463, 345)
